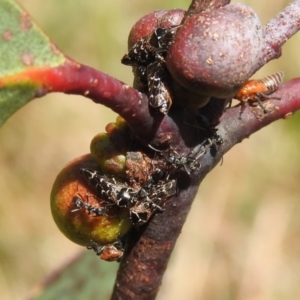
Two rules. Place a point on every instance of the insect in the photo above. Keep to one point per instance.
(109, 252)
(141, 213)
(201, 149)
(115, 193)
(164, 36)
(140, 78)
(153, 179)
(151, 200)
(79, 203)
(147, 55)
(191, 161)
(159, 95)
(141, 202)
(188, 162)
(150, 47)
(256, 90)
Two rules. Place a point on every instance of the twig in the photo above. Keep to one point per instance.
(198, 6)
(147, 124)
(142, 269)
(278, 30)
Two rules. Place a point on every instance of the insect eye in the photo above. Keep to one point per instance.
(124, 197)
(159, 32)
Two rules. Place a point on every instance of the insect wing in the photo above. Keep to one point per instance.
(165, 190)
(159, 96)
(140, 79)
(139, 54)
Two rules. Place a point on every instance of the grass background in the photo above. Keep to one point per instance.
(242, 237)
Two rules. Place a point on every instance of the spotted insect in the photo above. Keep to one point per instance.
(140, 213)
(163, 37)
(158, 89)
(80, 204)
(147, 56)
(154, 179)
(257, 90)
(200, 150)
(190, 162)
(141, 202)
(140, 79)
(177, 161)
(109, 252)
(151, 200)
(114, 193)
(150, 47)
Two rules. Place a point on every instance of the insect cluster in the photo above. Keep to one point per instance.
(141, 202)
(141, 197)
(147, 58)
(190, 162)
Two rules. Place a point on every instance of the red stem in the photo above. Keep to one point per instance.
(198, 6)
(146, 123)
(278, 30)
(236, 130)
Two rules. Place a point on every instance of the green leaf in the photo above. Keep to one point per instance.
(25, 53)
(86, 277)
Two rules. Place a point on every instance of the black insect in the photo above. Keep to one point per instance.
(164, 36)
(150, 48)
(147, 56)
(114, 193)
(158, 90)
(109, 252)
(201, 149)
(141, 213)
(141, 202)
(191, 161)
(79, 203)
(177, 161)
(140, 78)
(153, 179)
(151, 200)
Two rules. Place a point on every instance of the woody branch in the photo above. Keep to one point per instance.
(142, 269)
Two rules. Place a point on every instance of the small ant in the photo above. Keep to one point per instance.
(114, 193)
(109, 252)
(189, 163)
(79, 202)
(151, 201)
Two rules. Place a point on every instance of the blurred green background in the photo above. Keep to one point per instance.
(242, 237)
